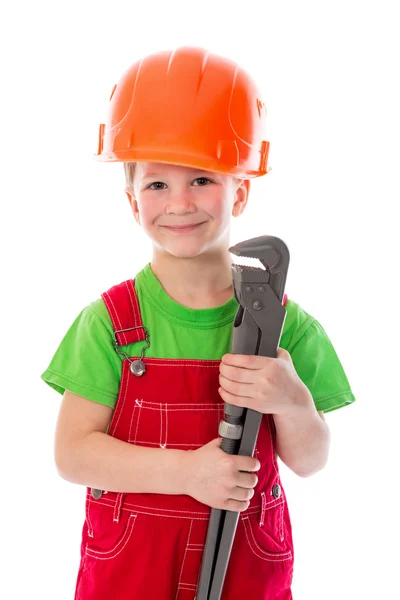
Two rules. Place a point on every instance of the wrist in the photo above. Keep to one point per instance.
(302, 407)
(183, 470)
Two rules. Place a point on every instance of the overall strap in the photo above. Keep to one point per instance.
(123, 307)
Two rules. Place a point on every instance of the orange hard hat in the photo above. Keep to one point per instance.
(187, 107)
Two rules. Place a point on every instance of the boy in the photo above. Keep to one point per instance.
(145, 370)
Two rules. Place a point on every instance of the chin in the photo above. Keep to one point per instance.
(184, 253)
(185, 250)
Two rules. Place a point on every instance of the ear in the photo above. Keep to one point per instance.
(242, 195)
(134, 204)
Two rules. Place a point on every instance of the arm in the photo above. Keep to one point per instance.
(303, 439)
(272, 386)
(86, 455)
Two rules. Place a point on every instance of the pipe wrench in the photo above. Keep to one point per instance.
(257, 329)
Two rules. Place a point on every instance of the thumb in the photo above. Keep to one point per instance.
(282, 353)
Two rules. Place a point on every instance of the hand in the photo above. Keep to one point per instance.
(265, 384)
(218, 479)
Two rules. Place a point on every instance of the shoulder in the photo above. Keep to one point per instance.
(97, 310)
(297, 322)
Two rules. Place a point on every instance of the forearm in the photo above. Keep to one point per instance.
(303, 438)
(107, 463)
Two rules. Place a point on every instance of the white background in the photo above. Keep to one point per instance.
(329, 74)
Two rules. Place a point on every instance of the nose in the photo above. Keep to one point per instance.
(180, 203)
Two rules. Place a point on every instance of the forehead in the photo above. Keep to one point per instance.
(152, 169)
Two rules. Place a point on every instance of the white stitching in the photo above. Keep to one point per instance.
(138, 419)
(127, 534)
(134, 298)
(166, 425)
(169, 446)
(120, 407)
(137, 304)
(163, 445)
(136, 318)
(117, 507)
(279, 557)
(106, 301)
(197, 362)
(282, 537)
(262, 509)
(184, 558)
(183, 586)
(195, 409)
(129, 507)
(130, 424)
(89, 524)
(272, 445)
(119, 322)
(116, 316)
(160, 409)
(187, 586)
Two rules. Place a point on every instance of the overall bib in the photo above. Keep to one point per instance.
(144, 546)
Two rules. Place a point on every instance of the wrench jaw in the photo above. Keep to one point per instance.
(270, 250)
(249, 284)
(245, 277)
(273, 255)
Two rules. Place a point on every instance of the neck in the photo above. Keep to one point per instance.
(203, 281)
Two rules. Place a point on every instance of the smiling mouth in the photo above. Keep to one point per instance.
(183, 227)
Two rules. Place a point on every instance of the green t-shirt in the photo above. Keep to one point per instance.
(87, 364)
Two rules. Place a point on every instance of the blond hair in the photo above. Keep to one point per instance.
(129, 168)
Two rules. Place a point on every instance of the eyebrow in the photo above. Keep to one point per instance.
(154, 174)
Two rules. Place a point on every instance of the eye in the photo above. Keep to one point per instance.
(156, 183)
(203, 179)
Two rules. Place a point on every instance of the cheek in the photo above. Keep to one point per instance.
(147, 213)
(219, 207)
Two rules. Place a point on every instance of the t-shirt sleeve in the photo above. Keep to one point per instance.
(318, 366)
(85, 362)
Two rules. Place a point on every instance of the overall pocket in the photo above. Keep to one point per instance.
(108, 538)
(267, 533)
(182, 426)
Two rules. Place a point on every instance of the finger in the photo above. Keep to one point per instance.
(236, 506)
(246, 361)
(242, 494)
(237, 373)
(282, 353)
(240, 389)
(247, 480)
(241, 401)
(230, 398)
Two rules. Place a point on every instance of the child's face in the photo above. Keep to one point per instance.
(167, 196)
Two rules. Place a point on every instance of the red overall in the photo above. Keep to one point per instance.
(149, 546)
